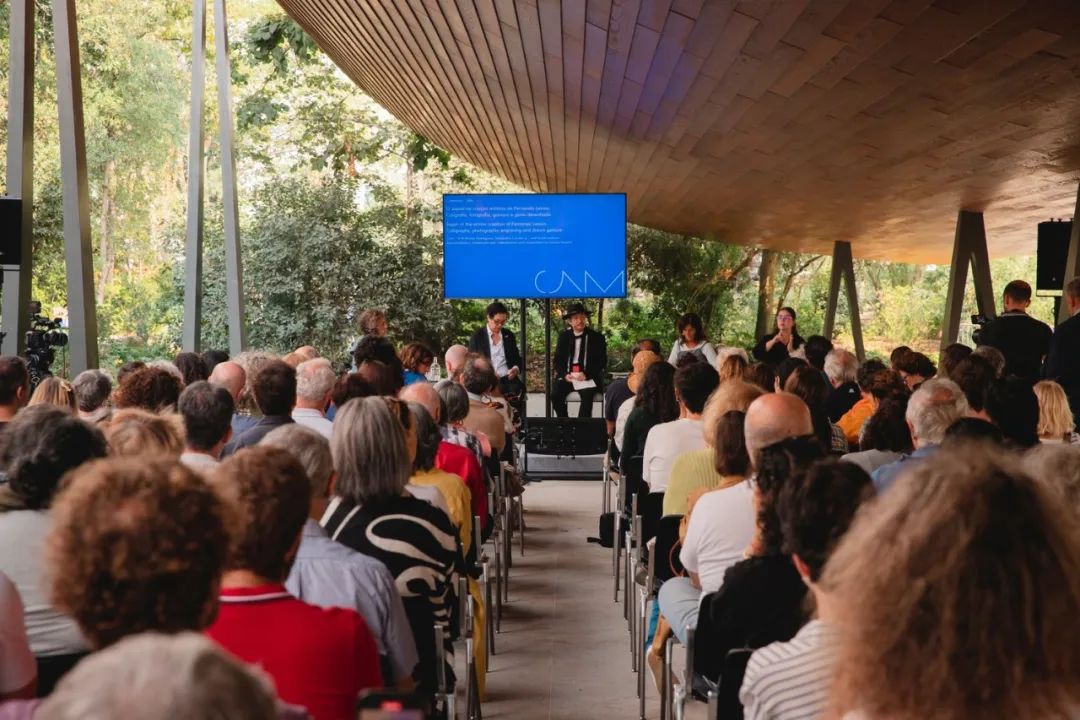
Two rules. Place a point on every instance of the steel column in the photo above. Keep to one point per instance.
(1072, 260)
(20, 171)
(234, 279)
(843, 269)
(195, 219)
(82, 312)
(969, 247)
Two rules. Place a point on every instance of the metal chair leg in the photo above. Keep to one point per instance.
(616, 554)
(489, 620)
(666, 689)
(643, 620)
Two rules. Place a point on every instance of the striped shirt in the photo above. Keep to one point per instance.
(790, 680)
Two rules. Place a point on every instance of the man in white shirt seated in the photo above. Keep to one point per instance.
(314, 385)
(790, 680)
(666, 441)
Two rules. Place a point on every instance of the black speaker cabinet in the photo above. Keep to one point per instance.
(10, 231)
(1052, 253)
(566, 436)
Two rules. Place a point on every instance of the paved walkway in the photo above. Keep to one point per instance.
(564, 650)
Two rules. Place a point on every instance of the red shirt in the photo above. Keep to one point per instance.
(463, 463)
(319, 658)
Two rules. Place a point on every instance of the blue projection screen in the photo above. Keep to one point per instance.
(534, 246)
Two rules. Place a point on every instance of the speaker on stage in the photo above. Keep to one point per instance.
(568, 437)
(10, 231)
(1052, 253)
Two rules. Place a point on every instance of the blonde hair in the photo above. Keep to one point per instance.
(134, 431)
(956, 595)
(1055, 417)
(733, 395)
(54, 391)
(732, 368)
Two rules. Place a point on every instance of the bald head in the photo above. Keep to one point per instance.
(774, 417)
(424, 394)
(455, 359)
(230, 376)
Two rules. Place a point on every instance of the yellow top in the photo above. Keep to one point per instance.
(458, 499)
(692, 470)
(852, 421)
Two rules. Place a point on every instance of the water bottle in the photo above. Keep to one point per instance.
(434, 373)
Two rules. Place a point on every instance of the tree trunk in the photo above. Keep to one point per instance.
(790, 279)
(766, 283)
(600, 315)
(107, 250)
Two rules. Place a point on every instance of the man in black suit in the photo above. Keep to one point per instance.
(498, 344)
(1062, 361)
(1023, 340)
(580, 355)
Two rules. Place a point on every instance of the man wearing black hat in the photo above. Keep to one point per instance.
(580, 356)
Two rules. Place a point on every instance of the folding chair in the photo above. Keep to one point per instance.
(645, 590)
(483, 564)
(444, 694)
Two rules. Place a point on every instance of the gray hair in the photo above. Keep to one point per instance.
(456, 399)
(92, 389)
(1058, 465)
(936, 405)
(314, 379)
(993, 356)
(478, 376)
(428, 437)
(310, 448)
(841, 366)
(161, 677)
(169, 367)
(369, 451)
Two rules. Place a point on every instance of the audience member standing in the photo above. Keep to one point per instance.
(1061, 362)
(692, 339)
(1023, 340)
(275, 395)
(782, 341)
(38, 447)
(319, 658)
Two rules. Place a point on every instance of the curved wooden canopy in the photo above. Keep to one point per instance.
(790, 123)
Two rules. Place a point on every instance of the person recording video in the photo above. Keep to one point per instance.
(580, 357)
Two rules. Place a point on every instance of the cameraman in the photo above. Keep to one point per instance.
(1023, 340)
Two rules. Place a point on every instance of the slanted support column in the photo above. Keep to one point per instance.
(969, 247)
(1072, 260)
(82, 311)
(843, 268)
(193, 266)
(20, 171)
(234, 279)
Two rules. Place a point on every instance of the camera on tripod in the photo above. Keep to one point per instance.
(44, 335)
(980, 322)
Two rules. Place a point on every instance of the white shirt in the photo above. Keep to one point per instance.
(790, 680)
(620, 420)
(666, 442)
(498, 354)
(704, 349)
(311, 418)
(17, 666)
(429, 494)
(721, 526)
(22, 537)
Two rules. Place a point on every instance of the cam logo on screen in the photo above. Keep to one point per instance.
(582, 289)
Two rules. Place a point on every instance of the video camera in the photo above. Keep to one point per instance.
(979, 321)
(44, 335)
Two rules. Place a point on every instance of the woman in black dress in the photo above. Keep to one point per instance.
(373, 514)
(784, 339)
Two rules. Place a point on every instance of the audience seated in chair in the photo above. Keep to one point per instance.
(207, 412)
(274, 391)
(885, 436)
(810, 384)
(314, 386)
(479, 378)
(654, 404)
(14, 387)
(319, 658)
(149, 388)
(92, 389)
(53, 391)
(791, 679)
(133, 432)
(641, 364)
(841, 370)
(328, 574)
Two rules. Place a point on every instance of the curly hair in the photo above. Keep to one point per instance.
(40, 445)
(779, 463)
(134, 431)
(887, 428)
(957, 595)
(693, 321)
(270, 493)
(657, 394)
(149, 388)
(137, 544)
(416, 354)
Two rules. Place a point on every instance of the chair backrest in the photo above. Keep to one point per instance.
(731, 677)
(651, 508)
(668, 564)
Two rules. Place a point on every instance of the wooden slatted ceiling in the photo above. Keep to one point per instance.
(790, 123)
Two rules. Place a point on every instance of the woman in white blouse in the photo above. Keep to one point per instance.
(692, 339)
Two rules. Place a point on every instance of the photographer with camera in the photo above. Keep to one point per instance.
(1023, 340)
(44, 335)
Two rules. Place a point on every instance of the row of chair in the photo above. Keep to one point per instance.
(644, 554)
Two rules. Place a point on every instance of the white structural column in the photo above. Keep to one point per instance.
(82, 312)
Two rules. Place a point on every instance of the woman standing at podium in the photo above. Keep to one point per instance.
(580, 356)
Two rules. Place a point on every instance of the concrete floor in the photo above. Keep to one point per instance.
(564, 649)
